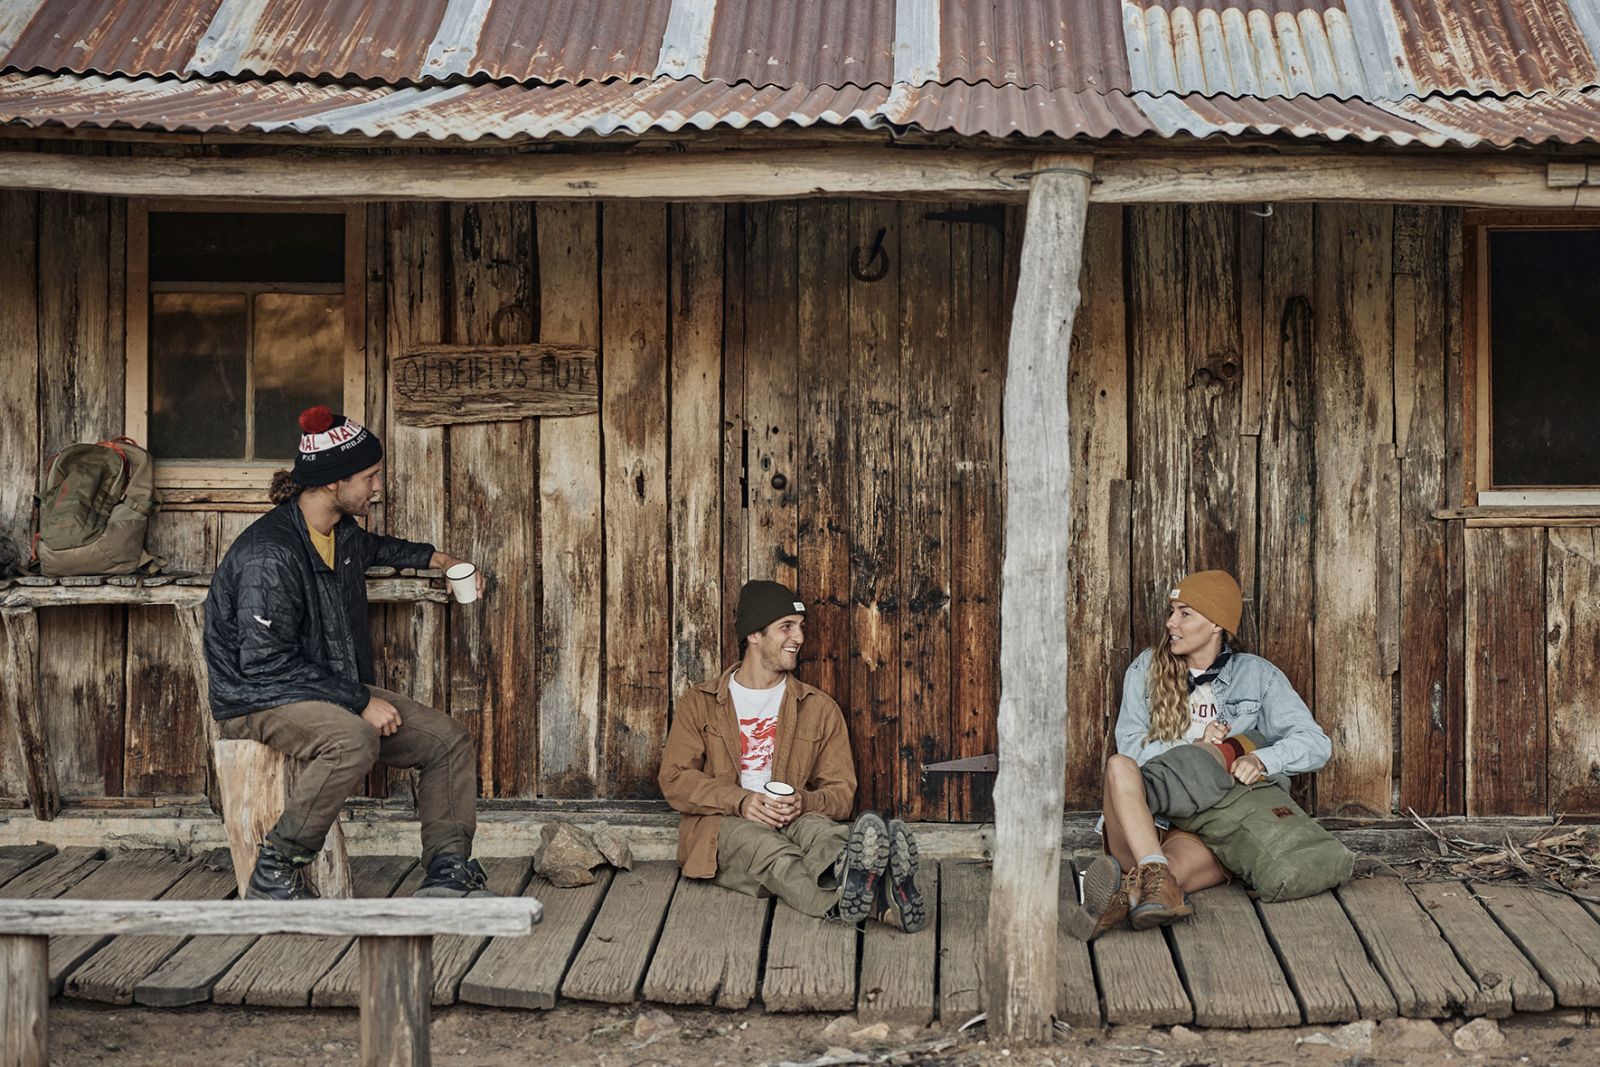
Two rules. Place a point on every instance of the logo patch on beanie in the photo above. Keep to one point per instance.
(799, 606)
(1174, 594)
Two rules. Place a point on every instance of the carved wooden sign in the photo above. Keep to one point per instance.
(443, 384)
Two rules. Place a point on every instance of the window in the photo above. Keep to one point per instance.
(239, 317)
(1535, 316)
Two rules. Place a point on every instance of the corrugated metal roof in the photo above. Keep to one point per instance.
(1461, 72)
(476, 111)
(1370, 49)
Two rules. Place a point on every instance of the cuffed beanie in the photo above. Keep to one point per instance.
(1213, 594)
(763, 603)
(333, 447)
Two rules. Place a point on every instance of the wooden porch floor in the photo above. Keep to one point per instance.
(1376, 948)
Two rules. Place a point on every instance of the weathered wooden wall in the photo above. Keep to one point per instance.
(1271, 395)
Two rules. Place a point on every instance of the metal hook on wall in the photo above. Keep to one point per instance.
(875, 264)
(1267, 214)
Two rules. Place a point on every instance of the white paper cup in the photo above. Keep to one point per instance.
(463, 579)
(781, 790)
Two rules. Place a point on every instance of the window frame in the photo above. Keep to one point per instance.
(1477, 381)
(232, 481)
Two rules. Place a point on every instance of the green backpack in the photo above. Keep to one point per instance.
(1260, 834)
(95, 504)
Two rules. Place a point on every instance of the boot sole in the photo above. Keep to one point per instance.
(1149, 920)
(1100, 884)
(903, 871)
(867, 849)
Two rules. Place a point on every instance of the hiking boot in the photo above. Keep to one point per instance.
(860, 867)
(1106, 899)
(899, 901)
(1161, 898)
(452, 875)
(278, 877)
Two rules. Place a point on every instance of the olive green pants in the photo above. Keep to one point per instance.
(339, 748)
(794, 864)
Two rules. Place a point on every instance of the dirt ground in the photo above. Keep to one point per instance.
(465, 1035)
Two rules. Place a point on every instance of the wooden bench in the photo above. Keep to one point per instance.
(396, 954)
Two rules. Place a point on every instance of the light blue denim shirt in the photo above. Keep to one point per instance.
(1251, 694)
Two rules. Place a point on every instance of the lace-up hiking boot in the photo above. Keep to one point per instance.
(1106, 899)
(278, 877)
(450, 875)
(899, 902)
(860, 867)
(1161, 898)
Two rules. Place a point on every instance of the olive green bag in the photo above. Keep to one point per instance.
(95, 504)
(1263, 836)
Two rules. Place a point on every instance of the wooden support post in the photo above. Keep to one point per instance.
(20, 698)
(1028, 796)
(254, 782)
(192, 621)
(24, 1000)
(396, 990)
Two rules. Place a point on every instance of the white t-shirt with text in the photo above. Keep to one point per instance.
(1202, 708)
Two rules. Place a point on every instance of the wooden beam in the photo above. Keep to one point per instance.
(373, 917)
(396, 989)
(1028, 795)
(736, 175)
(19, 701)
(28, 597)
(1240, 177)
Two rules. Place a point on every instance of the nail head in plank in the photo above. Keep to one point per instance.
(898, 968)
(963, 939)
(1556, 934)
(525, 972)
(1325, 961)
(612, 961)
(1483, 948)
(1232, 975)
(710, 947)
(811, 963)
(1407, 949)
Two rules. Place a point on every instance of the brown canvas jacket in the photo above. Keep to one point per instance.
(700, 766)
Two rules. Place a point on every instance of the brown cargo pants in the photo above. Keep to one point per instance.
(794, 864)
(338, 748)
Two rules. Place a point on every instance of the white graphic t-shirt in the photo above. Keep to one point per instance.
(1202, 708)
(757, 711)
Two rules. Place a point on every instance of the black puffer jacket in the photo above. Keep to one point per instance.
(281, 627)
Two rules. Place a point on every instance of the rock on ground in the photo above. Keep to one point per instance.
(655, 1023)
(610, 843)
(1479, 1035)
(566, 855)
(1410, 1033)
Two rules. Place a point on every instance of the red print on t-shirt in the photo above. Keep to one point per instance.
(757, 736)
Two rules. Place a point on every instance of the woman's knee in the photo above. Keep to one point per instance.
(1121, 768)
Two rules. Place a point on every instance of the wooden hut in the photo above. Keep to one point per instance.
(649, 299)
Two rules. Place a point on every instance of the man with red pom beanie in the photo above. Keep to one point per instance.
(289, 650)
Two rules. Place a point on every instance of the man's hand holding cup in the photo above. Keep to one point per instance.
(776, 806)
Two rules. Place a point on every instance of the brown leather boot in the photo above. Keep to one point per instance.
(1161, 898)
(1105, 899)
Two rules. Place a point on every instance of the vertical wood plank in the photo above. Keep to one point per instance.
(21, 710)
(1214, 375)
(771, 387)
(1353, 437)
(1506, 618)
(1160, 448)
(923, 465)
(569, 515)
(25, 1000)
(826, 462)
(735, 427)
(396, 986)
(1572, 614)
(634, 425)
(1419, 376)
(410, 646)
(165, 750)
(873, 416)
(1097, 401)
(492, 642)
(696, 443)
(1457, 397)
(19, 409)
(980, 325)
(81, 373)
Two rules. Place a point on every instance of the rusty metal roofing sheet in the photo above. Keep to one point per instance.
(1366, 49)
(471, 112)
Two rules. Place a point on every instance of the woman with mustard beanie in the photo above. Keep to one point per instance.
(1192, 686)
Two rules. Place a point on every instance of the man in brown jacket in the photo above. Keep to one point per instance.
(759, 764)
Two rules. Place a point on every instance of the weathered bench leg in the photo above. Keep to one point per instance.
(396, 991)
(24, 1000)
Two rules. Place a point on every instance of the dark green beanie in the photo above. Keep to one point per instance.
(763, 603)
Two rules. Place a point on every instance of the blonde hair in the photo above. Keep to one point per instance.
(1166, 690)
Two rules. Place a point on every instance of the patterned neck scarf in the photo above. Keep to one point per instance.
(1209, 675)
